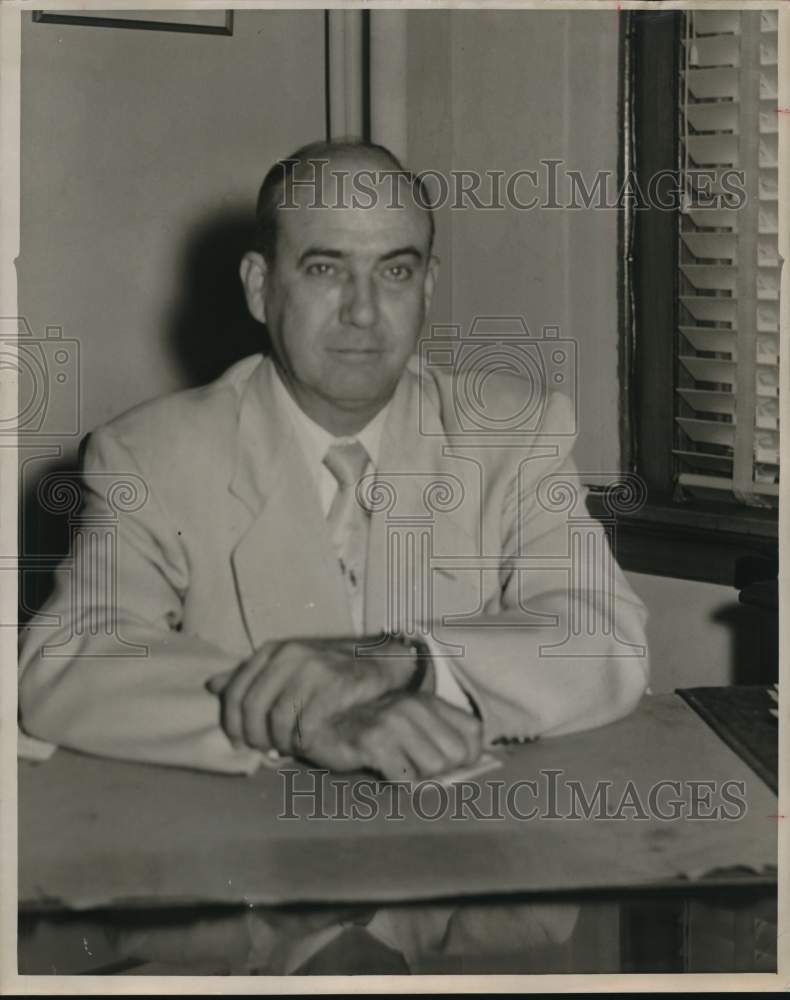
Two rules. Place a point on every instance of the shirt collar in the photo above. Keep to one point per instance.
(315, 440)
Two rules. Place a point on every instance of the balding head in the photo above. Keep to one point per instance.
(325, 175)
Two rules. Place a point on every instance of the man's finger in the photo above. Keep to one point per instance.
(265, 689)
(328, 748)
(216, 684)
(396, 735)
(287, 713)
(383, 751)
(445, 733)
(464, 724)
(235, 691)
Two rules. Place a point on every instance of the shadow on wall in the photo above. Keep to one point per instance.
(44, 532)
(208, 329)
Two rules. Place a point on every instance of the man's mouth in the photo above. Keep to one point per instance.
(352, 354)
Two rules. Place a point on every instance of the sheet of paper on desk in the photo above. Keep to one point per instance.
(485, 763)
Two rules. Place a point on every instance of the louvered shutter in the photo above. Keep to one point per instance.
(727, 388)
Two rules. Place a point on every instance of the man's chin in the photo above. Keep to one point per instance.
(362, 386)
(362, 405)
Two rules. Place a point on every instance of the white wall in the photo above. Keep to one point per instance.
(695, 631)
(142, 152)
(503, 90)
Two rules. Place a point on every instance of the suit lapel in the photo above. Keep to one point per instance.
(285, 569)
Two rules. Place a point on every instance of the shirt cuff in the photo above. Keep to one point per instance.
(447, 687)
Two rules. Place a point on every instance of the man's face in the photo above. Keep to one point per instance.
(346, 298)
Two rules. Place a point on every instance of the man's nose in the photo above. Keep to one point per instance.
(360, 303)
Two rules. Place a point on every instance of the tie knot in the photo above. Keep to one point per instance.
(347, 462)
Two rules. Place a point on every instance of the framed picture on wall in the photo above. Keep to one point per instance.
(204, 22)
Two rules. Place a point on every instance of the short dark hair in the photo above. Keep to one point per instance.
(271, 191)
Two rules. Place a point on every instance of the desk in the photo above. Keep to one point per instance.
(98, 835)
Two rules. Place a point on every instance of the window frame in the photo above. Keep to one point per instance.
(689, 539)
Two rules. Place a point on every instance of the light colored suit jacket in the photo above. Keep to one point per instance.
(217, 543)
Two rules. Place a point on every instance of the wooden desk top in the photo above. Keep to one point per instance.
(95, 832)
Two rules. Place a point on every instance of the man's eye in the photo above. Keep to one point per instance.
(321, 269)
(399, 272)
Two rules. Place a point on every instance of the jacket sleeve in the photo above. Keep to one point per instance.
(104, 667)
(562, 647)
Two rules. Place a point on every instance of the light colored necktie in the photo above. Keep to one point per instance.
(349, 521)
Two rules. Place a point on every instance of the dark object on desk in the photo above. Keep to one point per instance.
(740, 716)
(758, 586)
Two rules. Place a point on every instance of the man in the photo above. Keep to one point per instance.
(259, 586)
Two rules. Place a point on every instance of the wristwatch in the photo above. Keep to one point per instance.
(422, 656)
(411, 646)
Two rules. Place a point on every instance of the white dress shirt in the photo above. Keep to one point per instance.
(315, 441)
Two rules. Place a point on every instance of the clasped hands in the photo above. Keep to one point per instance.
(325, 701)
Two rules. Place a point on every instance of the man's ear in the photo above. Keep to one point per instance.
(253, 271)
(431, 277)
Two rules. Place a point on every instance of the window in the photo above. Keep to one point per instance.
(727, 376)
(700, 291)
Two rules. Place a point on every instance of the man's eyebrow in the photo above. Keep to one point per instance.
(334, 254)
(410, 251)
(318, 251)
